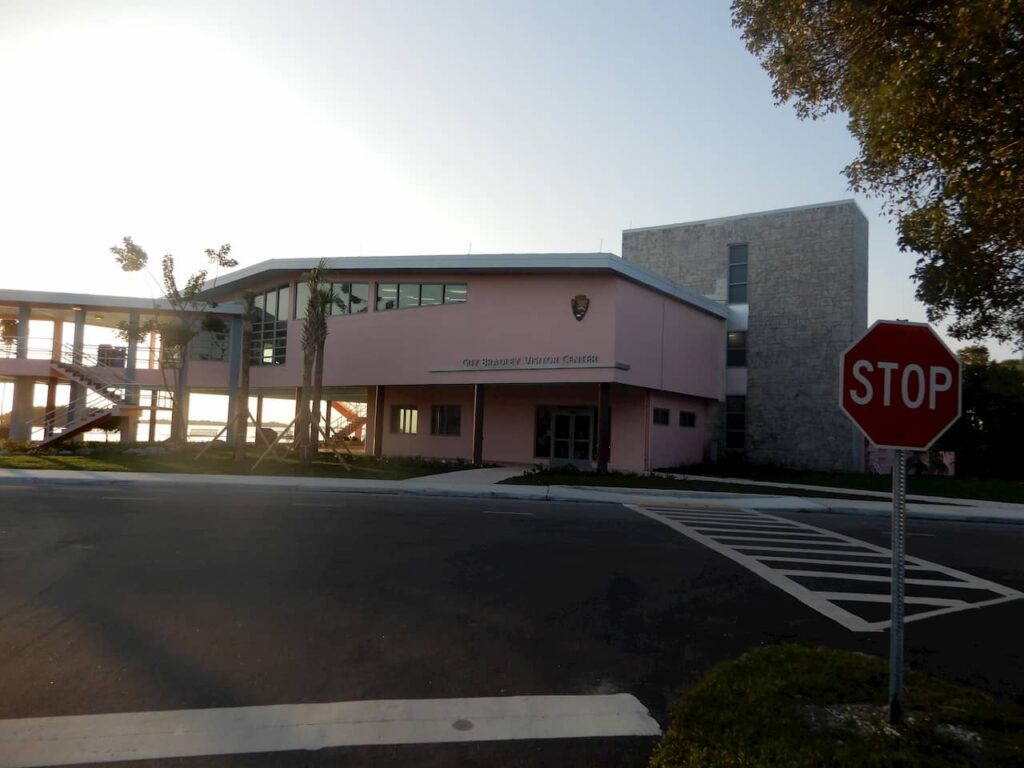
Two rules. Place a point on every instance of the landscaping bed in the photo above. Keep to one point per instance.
(803, 707)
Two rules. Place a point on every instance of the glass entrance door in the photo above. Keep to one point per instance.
(573, 438)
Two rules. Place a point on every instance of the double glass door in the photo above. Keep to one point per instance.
(573, 437)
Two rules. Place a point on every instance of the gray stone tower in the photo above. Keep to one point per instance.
(795, 282)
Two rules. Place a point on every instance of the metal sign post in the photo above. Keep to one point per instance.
(899, 550)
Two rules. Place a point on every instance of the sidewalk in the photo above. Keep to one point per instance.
(963, 510)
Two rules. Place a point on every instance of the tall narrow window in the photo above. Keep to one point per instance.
(270, 328)
(387, 296)
(735, 422)
(736, 349)
(738, 274)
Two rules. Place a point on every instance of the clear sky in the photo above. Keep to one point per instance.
(331, 128)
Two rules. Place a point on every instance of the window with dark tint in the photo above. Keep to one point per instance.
(455, 293)
(408, 295)
(387, 296)
(269, 341)
(346, 299)
(661, 416)
(735, 422)
(736, 349)
(542, 434)
(445, 419)
(301, 300)
(687, 419)
(431, 294)
(738, 274)
(404, 419)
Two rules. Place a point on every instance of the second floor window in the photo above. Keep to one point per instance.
(269, 342)
(736, 349)
(738, 274)
(408, 295)
(348, 299)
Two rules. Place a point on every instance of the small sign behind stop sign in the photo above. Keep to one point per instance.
(901, 385)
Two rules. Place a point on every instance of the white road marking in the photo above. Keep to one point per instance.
(502, 512)
(313, 504)
(80, 739)
(128, 498)
(752, 538)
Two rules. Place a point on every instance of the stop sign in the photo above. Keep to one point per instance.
(900, 384)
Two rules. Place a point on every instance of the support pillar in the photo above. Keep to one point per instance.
(259, 411)
(24, 315)
(130, 424)
(77, 391)
(51, 406)
(604, 425)
(377, 448)
(153, 398)
(21, 409)
(234, 371)
(478, 423)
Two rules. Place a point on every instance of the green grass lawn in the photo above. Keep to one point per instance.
(948, 487)
(220, 462)
(801, 707)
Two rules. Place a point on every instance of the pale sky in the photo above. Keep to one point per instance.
(333, 128)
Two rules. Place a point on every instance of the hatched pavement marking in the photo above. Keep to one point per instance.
(751, 538)
(80, 739)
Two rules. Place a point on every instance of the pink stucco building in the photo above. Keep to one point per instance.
(582, 359)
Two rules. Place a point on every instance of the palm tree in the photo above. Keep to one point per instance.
(326, 295)
(313, 329)
(242, 397)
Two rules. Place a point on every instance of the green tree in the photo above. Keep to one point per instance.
(934, 92)
(986, 438)
(188, 317)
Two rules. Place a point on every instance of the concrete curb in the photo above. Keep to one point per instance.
(974, 511)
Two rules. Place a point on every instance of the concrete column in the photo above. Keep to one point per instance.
(51, 406)
(21, 409)
(259, 411)
(152, 414)
(58, 340)
(24, 315)
(377, 448)
(478, 423)
(604, 425)
(130, 424)
(76, 357)
(133, 357)
(234, 371)
(79, 342)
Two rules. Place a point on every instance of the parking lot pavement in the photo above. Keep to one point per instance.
(841, 577)
(155, 598)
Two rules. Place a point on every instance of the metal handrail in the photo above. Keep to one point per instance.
(86, 404)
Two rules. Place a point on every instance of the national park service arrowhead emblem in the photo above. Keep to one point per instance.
(580, 304)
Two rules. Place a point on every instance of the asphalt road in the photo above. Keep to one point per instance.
(143, 598)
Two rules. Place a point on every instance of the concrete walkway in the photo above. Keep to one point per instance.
(950, 509)
(486, 476)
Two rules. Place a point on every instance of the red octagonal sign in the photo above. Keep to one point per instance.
(900, 384)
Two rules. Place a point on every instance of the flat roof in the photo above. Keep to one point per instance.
(775, 211)
(232, 282)
(85, 300)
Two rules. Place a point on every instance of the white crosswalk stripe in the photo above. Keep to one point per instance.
(841, 577)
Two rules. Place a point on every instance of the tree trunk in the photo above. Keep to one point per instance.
(318, 386)
(242, 397)
(302, 417)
